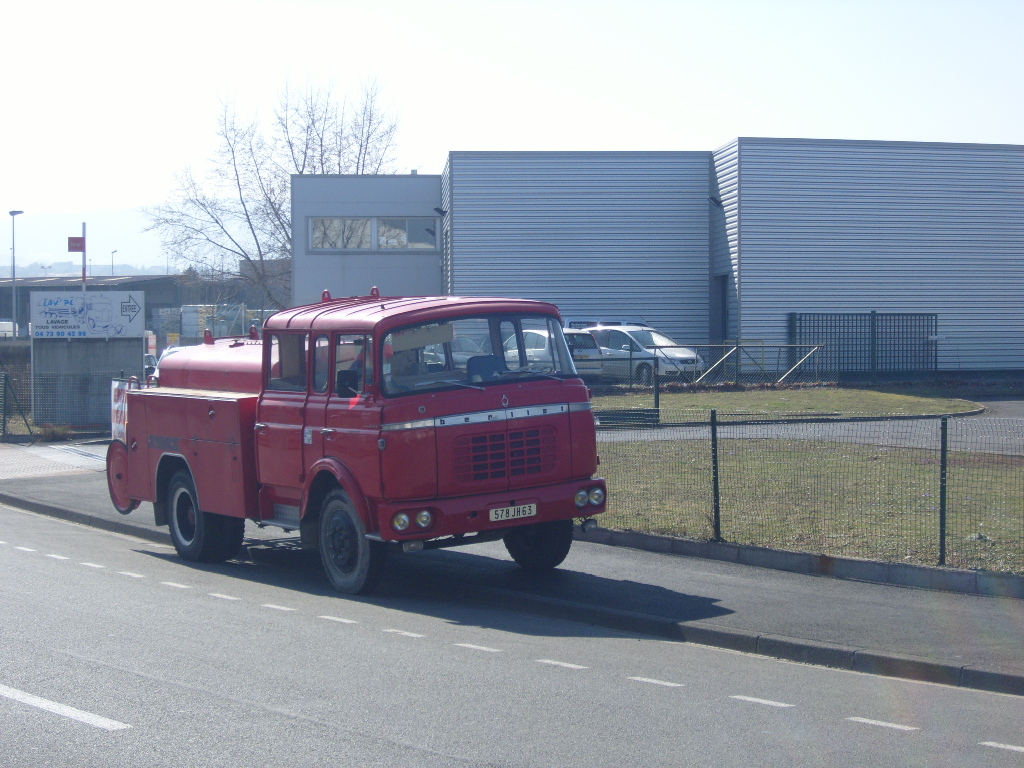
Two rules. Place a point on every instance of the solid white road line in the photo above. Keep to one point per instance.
(564, 664)
(883, 724)
(997, 745)
(223, 597)
(175, 584)
(766, 702)
(340, 620)
(403, 633)
(478, 647)
(62, 709)
(276, 607)
(652, 681)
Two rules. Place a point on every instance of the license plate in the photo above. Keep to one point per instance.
(513, 513)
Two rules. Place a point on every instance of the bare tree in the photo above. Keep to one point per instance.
(236, 220)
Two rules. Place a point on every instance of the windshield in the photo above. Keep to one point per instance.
(473, 352)
(651, 339)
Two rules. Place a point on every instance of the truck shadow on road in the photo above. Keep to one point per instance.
(479, 590)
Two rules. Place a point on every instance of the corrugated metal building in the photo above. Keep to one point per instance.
(745, 242)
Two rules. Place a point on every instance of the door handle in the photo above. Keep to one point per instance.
(327, 431)
(260, 426)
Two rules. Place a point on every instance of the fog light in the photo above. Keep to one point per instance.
(400, 521)
(424, 519)
(581, 498)
(596, 495)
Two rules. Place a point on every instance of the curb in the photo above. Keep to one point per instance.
(789, 649)
(986, 583)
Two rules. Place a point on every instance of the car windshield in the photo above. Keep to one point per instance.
(651, 339)
(473, 352)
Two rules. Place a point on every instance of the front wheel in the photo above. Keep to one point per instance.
(541, 546)
(353, 563)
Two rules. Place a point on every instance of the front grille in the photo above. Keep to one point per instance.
(495, 456)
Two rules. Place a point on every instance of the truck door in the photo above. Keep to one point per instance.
(280, 418)
(316, 401)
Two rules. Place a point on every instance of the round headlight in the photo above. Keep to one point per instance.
(582, 497)
(596, 495)
(400, 521)
(424, 518)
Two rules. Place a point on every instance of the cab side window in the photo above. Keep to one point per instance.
(353, 364)
(321, 363)
(288, 362)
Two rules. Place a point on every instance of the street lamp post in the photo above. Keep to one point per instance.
(14, 285)
(112, 263)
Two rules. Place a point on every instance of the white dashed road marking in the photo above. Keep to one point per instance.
(564, 664)
(223, 597)
(62, 709)
(277, 607)
(883, 724)
(478, 647)
(340, 620)
(766, 702)
(25, 549)
(403, 633)
(997, 745)
(652, 681)
(59, 557)
(93, 565)
(175, 584)
(132, 575)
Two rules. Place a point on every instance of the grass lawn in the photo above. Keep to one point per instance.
(819, 494)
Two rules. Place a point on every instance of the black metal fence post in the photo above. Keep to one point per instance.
(657, 388)
(943, 481)
(717, 523)
(3, 401)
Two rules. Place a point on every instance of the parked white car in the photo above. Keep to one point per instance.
(628, 353)
(586, 353)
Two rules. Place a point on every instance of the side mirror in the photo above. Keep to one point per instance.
(347, 381)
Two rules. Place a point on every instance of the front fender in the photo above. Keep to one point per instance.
(315, 489)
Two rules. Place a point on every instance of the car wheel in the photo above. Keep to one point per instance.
(541, 546)
(197, 536)
(353, 564)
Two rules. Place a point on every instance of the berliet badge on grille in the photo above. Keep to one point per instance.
(504, 401)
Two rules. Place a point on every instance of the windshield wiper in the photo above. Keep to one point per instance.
(534, 371)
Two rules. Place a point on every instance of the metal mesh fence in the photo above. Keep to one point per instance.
(871, 489)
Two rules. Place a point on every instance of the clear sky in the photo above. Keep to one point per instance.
(105, 101)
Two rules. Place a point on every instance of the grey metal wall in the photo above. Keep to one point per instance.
(601, 234)
(856, 226)
(724, 222)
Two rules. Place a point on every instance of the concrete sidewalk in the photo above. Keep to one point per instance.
(939, 636)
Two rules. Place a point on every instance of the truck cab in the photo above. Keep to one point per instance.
(370, 424)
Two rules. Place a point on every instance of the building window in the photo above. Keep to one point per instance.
(407, 233)
(335, 233)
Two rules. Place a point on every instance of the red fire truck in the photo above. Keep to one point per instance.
(369, 424)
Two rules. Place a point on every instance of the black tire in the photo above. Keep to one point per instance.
(199, 536)
(541, 546)
(643, 377)
(353, 563)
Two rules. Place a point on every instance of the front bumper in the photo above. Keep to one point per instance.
(469, 514)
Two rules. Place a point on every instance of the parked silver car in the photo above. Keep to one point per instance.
(628, 353)
(586, 353)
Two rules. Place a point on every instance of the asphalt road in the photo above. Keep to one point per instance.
(113, 652)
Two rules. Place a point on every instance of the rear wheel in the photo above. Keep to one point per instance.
(117, 477)
(199, 536)
(353, 563)
(644, 376)
(541, 546)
